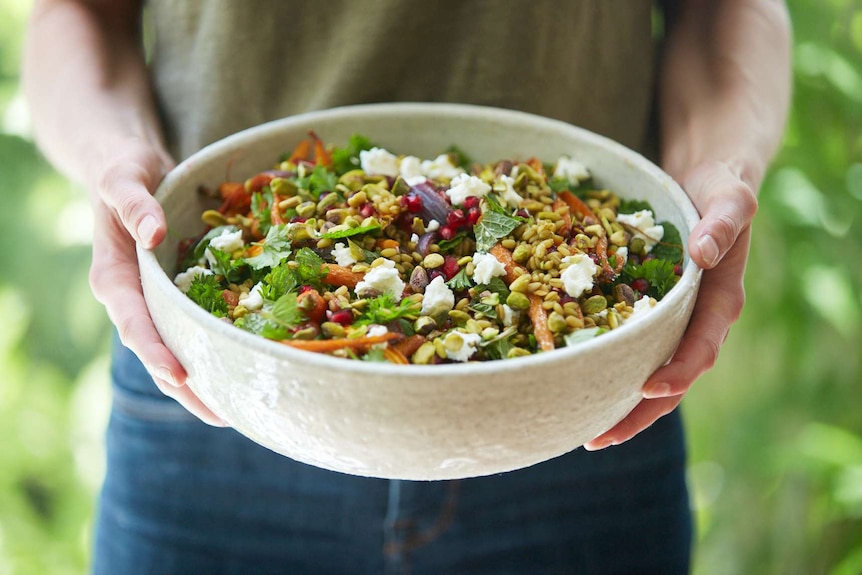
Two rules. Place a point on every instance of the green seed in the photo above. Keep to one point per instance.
(637, 246)
(424, 324)
(522, 253)
(458, 316)
(332, 329)
(433, 261)
(595, 304)
(520, 284)
(517, 352)
(518, 300)
(557, 323)
(306, 209)
(425, 354)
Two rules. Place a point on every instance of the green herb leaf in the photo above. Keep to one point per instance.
(375, 354)
(260, 209)
(658, 272)
(320, 180)
(276, 247)
(450, 244)
(497, 286)
(458, 157)
(485, 309)
(670, 247)
(285, 311)
(632, 206)
(384, 309)
(350, 232)
(347, 158)
(259, 325)
(460, 281)
(492, 228)
(310, 268)
(278, 282)
(559, 184)
(224, 266)
(493, 205)
(195, 255)
(205, 290)
(582, 335)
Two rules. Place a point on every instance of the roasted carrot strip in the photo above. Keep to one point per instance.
(576, 204)
(341, 276)
(330, 345)
(602, 252)
(537, 313)
(566, 228)
(395, 356)
(227, 188)
(410, 344)
(300, 152)
(539, 317)
(238, 201)
(275, 213)
(387, 243)
(321, 156)
(257, 182)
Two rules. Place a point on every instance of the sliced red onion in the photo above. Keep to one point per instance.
(425, 241)
(435, 206)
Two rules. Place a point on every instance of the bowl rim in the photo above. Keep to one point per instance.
(149, 264)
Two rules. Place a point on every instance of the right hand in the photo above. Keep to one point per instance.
(122, 181)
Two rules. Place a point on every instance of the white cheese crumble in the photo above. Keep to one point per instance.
(381, 279)
(486, 267)
(578, 276)
(646, 228)
(510, 316)
(440, 167)
(468, 342)
(184, 279)
(642, 307)
(378, 161)
(438, 297)
(343, 255)
(464, 186)
(571, 169)
(410, 169)
(622, 254)
(227, 242)
(509, 195)
(432, 226)
(414, 238)
(252, 300)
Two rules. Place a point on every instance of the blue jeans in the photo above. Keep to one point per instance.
(181, 497)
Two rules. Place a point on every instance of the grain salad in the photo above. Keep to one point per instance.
(362, 253)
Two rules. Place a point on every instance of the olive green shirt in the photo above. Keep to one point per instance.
(223, 65)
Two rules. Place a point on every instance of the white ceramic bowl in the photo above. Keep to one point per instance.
(415, 422)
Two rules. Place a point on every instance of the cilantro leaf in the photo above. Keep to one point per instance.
(205, 290)
(278, 282)
(310, 267)
(225, 266)
(492, 227)
(276, 247)
(320, 180)
(260, 209)
(559, 184)
(670, 247)
(460, 281)
(658, 272)
(632, 206)
(582, 335)
(259, 325)
(384, 309)
(350, 232)
(347, 158)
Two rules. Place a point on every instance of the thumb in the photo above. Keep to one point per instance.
(727, 205)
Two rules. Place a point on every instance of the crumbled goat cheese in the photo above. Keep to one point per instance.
(510, 316)
(642, 307)
(252, 300)
(432, 226)
(645, 227)
(378, 161)
(578, 276)
(410, 169)
(509, 195)
(227, 242)
(486, 267)
(622, 254)
(468, 342)
(343, 255)
(438, 297)
(464, 186)
(572, 170)
(184, 279)
(440, 167)
(381, 279)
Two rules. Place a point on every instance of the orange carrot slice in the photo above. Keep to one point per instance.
(341, 276)
(330, 345)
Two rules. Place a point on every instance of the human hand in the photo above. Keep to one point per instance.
(123, 178)
(719, 244)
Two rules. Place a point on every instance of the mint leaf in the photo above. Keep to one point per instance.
(448, 245)
(384, 309)
(559, 184)
(276, 247)
(670, 246)
(582, 335)
(492, 228)
(205, 290)
(285, 311)
(259, 325)
(310, 269)
(632, 206)
(497, 286)
(320, 180)
(347, 158)
(278, 282)
(350, 232)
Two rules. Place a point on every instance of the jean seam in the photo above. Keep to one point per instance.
(149, 409)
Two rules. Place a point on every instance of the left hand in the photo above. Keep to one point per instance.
(719, 244)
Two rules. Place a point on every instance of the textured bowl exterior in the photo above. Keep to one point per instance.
(415, 422)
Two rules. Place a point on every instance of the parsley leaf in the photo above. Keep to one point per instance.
(347, 158)
(276, 247)
(658, 272)
(224, 266)
(278, 282)
(205, 290)
(582, 335)
(384, 309)
(460, 281)
(320, 180)
(260, 209)
(492, 228)
(310, 267)
(670, 247)
(350, 232)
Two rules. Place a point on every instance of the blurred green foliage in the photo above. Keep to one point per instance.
(775, 429)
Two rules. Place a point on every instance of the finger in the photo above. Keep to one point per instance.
(727, 205)
(719, 304)
(185, 397)
(115, 281)
(647, 412)
(127, 186)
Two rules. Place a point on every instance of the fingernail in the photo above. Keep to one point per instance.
(147, 229)
(708, 249)
(165, 374)
(598, 444)
(658, 389)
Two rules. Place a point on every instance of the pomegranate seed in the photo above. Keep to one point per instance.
(450, 267)
(435, 273)
(677, 270)
(471, 202)
(413, 203)
(473, 215)
(297, 220)
(447, 232)
(641, 286)
(366, 211)
(456, 218)
(305, 288)
(342, 316)
(522, 213)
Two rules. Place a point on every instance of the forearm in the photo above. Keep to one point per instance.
(86, 82)
(725, 85)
